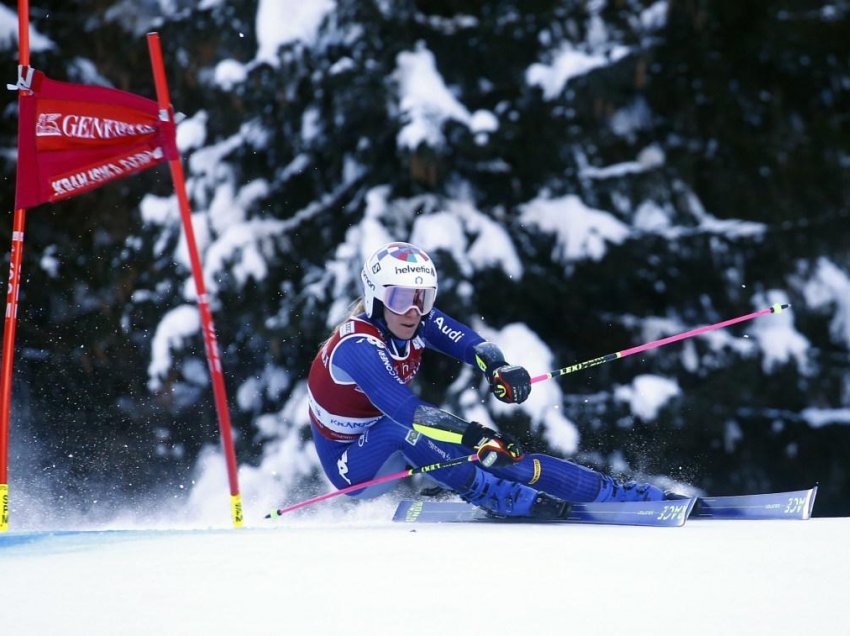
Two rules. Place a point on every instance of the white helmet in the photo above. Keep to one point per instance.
(398, 276)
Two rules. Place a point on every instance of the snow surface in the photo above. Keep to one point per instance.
(347, 569)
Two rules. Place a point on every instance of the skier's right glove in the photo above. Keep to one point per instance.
(494, 449)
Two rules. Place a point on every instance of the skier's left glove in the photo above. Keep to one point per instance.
(508, 382)
(494, 449)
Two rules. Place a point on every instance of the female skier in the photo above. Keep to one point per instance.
(366, 421)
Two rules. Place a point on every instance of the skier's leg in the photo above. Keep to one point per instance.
(572, 482)
(388, 447)
(507, 498)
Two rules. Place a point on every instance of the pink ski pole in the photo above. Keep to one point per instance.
(378, 480)
(775, 309)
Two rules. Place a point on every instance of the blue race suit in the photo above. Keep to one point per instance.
(362, 412)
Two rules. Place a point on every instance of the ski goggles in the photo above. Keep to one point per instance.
(400, 299)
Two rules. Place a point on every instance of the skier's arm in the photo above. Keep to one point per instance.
(493, 448)
(367, 364)
(450, 336)
(509, 383)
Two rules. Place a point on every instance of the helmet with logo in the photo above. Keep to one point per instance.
(398, 276)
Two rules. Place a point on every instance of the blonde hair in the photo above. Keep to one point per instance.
(355, 308)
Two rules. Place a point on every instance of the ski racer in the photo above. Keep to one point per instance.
(367, 422)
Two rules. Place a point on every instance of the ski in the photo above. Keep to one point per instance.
(796, 504)
(638, 513)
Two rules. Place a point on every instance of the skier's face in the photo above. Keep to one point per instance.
(402, 326)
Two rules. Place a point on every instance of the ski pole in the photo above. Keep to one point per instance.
(378, 480)
(774, 309)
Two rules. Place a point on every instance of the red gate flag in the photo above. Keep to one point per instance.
(73, 138)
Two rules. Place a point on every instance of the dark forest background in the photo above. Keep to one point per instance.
(749, 102)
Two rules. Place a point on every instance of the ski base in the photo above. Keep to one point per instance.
(638, 513)
(797, 504)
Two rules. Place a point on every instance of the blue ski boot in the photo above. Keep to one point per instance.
(612, 490)
(503, 498)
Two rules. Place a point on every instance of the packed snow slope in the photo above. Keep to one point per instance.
(355, 572)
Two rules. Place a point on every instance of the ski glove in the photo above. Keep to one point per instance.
(494, 449)
(509, 383)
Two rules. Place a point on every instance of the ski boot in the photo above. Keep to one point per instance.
(612, 490)
(503, 498)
